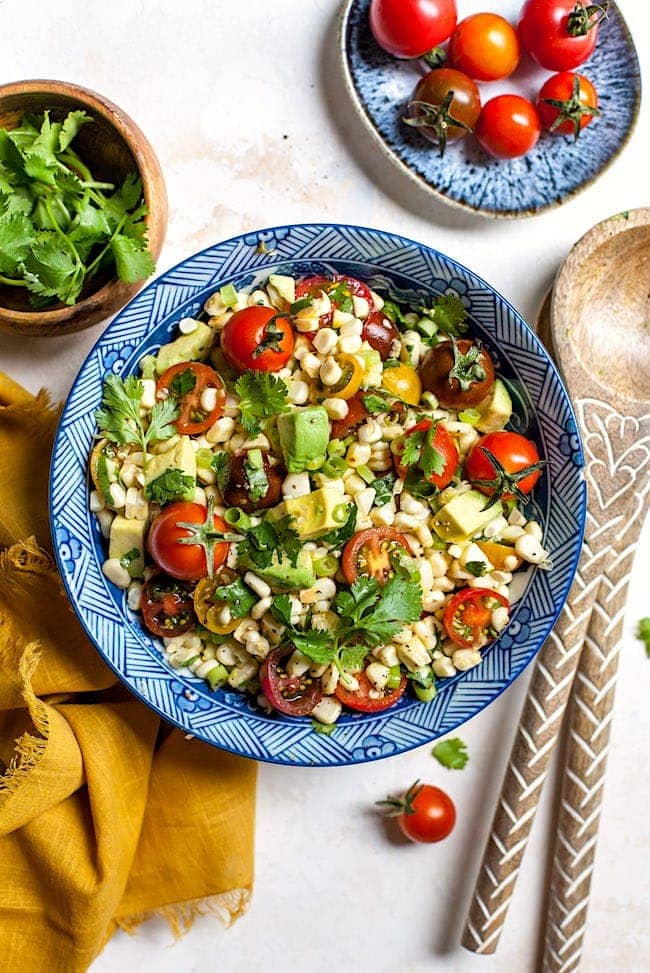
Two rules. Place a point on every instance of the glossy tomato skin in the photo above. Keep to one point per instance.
(357, 413)
(411, 28)
(380, 333)
(445, 445)
(433, 817)
(292, 695)
(544, 33)
(166, 606)
(314, 286)
(192, 419)
(185, 562)
(471, 607)
(433, 88)
(361, 700)
(368, 553)
(512, 450)
(257, 339)
(237, 492)
(560, 88)
(437, 365)
(508, 126)
(485, 47)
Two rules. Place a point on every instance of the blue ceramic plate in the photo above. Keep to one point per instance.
(556, 169)
(404, 269)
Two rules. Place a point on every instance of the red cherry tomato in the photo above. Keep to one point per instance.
(238, 491)
(567, 103)
(508, 126)
(293, 695)
(438, 440)
(411, 28)
(380, 333)
(357, 412)
(257, 339)
(560, 34)
(424, 814)
(361, 700)
(440, 98)
(467, 617)
(340, 289)
(513, 471)
(369, 553)
(186, 382)
(187, 562)
(167, 607)
(485, 46)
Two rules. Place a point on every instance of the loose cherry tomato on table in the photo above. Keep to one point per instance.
(370, 553)
(238, 491)
(187, 382)
(293, 695)
(166, 606)
(182, 538)
(485, 46)
(412, 28)
(459, 373)
(425, 813)
(428, 439)
(560, 34)
(504, 465)
(340, 289)
(444, 106)
(361, 699)
(467, 617)
(508, 126)
(567, 103)
(257, 339)
(380, 333)
(402, 381)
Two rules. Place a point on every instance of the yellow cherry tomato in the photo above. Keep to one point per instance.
(208, 610)
(350, 381)
(404, 382)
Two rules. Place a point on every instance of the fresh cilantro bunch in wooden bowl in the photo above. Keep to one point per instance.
(83, 208)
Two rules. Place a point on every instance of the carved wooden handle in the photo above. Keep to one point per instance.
(538, 730)
(590, 715)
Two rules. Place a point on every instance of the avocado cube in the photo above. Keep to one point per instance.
(304, 435)
(282, 574)
(495, 410)
(285, 286)
(180, 457)
(186, 348)
(464, 516)
(127, 536)
(312, 514)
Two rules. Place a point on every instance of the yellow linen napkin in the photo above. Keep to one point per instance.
(107, 816)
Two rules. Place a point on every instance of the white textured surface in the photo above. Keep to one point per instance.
(216, 86)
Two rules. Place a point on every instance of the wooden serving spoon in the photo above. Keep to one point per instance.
(598, 322)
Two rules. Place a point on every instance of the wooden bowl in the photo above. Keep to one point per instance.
(112, 147)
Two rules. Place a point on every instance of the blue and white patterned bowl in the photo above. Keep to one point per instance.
(543, 411)
(557, 168)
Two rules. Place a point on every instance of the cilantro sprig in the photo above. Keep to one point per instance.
(261, 395)
(119, 419)
(59, 225)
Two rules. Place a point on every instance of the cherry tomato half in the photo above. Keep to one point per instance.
(560, 34)
(166, 606)
(485, 46)
(293, 695)
(411, 28)
(340, 289)
(459, 373)
(187, 382)
(357, 413)
(567, 103)
(424, 814)
(508, 126)
(434, 437)
(512, 469)
(361, 700)
(187, 562)
(467, 617)
(380, 333)
(208, 608)
(351, 377)
(257, 339)
(440, 98)
(238, 488)
(369, 553)
(402, 381)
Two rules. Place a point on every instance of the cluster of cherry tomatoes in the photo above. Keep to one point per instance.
(446, 103)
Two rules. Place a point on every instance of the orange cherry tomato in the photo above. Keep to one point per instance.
(508, 126)
(485, 46)
(361, 700)
(168, 537)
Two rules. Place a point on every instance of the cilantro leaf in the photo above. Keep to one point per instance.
(451, 753)
(170, 485)
(257, 481)
(324, 728)
(287, 539)
(412, 449)
(52, 270)
(281, 609)
(383, 487)
(393, 312)
(376, 402)
(16, 235)
(261, 395)
(400, 604)
(316, 644)
(450, 314)
(131, 261)
(238, 596)
(352, 657)
(643, 633)
(477, 568)
(338, 537)
(432, 461)
(268, 537)
(119, 418)
(220, 463)
(70, 128)
(182, 383)
(161, 419)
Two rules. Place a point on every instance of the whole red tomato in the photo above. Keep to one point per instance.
(567, 103)
(257, 339)
(169, 535)
(508, 126)
(560, 34)
(411, 28)
(485, 46)
(425, 813)
(504, 464)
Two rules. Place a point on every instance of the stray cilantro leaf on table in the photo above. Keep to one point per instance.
(643, 633)
(451, 753)
(261, 396)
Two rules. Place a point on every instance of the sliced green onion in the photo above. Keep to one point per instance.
(429, 399)
(326, 566)
(204, 458)
(315, 464)
(425, 693)
(188, 662)
(217, 676)
(228, 295)
(254, 459)
(336, 447)
(366, 474)
(236, 517)
(470, 416)
(335, 467)
(395, 678)
(340, 513)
